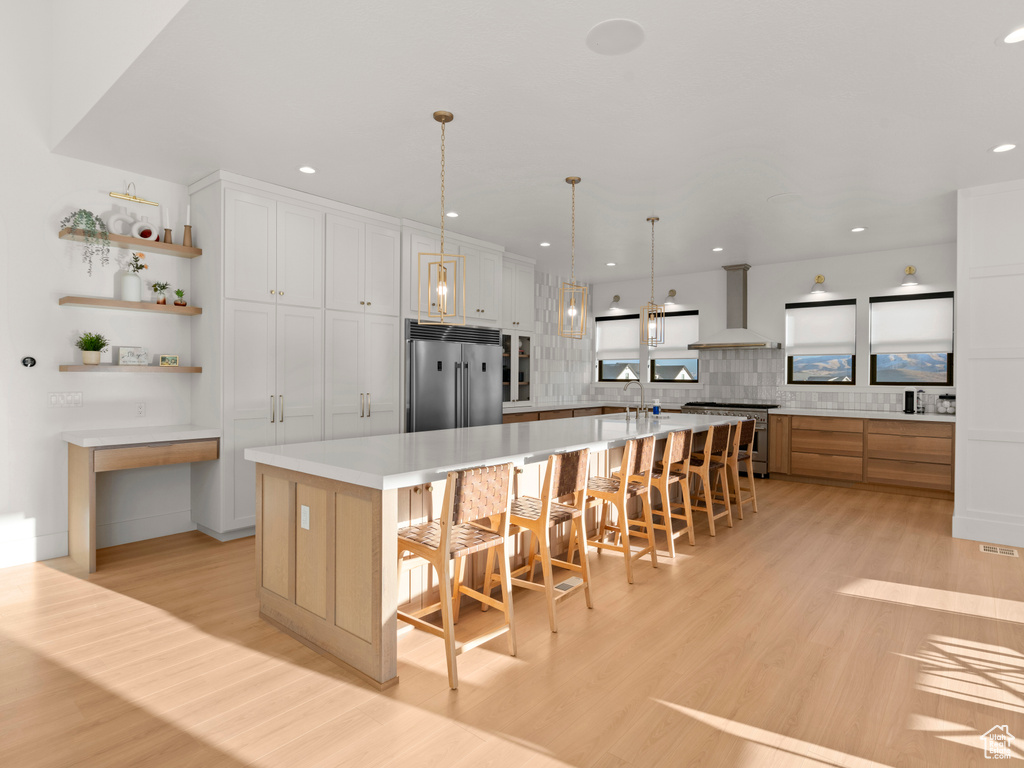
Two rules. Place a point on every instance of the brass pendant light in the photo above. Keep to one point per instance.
(572, 298)
(652, 316)
(445, 290)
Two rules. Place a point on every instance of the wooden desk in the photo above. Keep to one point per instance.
(103, 450)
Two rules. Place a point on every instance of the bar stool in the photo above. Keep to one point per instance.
(740, 452)
(470, 497)
(710, 472)
(674, 469)
(565, 475)
(633, 479)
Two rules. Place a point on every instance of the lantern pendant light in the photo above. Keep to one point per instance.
(445, 291)
(652, 316)
(572, 298)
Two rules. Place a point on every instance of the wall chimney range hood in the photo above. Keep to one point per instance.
(735, 335)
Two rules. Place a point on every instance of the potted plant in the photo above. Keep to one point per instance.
(180, 301)
(94, 233)
(159, 290)
(91, 344)
(131, 283)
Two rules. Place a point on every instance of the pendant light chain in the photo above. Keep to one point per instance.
(573, 268)
(652, 259)
(442, 187)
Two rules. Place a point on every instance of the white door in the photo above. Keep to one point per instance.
(524, 293)
(508, 295)
(488, 285)
(300, 375)
(344, 264)
(249, 403)
(250, 246)
(381, 370)
(381, 271)
(344, 411)
(300, 256)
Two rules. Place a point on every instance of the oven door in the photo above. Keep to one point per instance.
(759, 451)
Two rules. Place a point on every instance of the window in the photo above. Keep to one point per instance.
(821, 342)
(618, 347)
(672, 361)
(912, 339)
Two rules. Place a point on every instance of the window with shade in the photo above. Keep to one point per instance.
(912, 339)
(672, 361)
(618, 347)
(821, 342)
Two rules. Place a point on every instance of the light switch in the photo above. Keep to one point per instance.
(304, 518)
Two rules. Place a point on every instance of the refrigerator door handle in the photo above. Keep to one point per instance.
(411, 397)
(466, 394)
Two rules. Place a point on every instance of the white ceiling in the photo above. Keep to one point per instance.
(870, 112)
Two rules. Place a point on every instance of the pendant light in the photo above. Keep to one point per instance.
(572, 298)
(652, 316)
(445, 291)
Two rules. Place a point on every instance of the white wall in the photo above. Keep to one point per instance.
(990, 364)
(36, 191)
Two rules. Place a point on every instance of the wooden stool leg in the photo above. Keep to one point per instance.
(649, 524)
(532, 559)
(459, 572)
(750, 479)
(627, 549)
(506, 595)
(723, 478)
(544, 544)
(444, 578)
(578, 534)
(666, 516)
(488, 577)
(684, 491)
(735, 472)
(705, 484)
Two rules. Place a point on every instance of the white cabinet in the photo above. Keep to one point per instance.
(516, 367)
(273, 391)
(362, 266)
(273, 250)
(482, 281)
(483, 284)
(363, 368)
(517, 292)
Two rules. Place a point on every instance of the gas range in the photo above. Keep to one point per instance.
(756, 411)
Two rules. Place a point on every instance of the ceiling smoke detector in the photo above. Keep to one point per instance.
(615, 37)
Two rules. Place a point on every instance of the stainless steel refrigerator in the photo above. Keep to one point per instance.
(454, 377)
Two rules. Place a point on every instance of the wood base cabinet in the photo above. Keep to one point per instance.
(914, 454)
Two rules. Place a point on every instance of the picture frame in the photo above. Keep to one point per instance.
(169, 360)
(132, 356)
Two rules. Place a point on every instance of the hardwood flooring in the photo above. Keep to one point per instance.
(833, 628)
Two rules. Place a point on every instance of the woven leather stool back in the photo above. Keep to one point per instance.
(747, 432)
(481, 492)
(569, 472)
(718, 442)
(643, 461)
(682, 445)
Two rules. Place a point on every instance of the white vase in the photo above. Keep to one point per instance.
(131, 287)
(144, 226)
(90, 357)
(120, 223)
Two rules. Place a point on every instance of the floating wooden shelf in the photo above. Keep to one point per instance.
(135, 243)
(110, 368)
(138, 306)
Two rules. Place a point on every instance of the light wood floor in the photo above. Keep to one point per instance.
(834, 628)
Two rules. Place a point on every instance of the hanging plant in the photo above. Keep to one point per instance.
(96, 236)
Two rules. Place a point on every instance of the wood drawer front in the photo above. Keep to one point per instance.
(826, 466)
(515, 418)
(911, 428)
(912, 473)
(610, 409)
(828, 423)
(586, 412)
(555, 415)
(837, 443)
(107, 459)
(930, 450)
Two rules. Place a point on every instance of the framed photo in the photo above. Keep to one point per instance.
(132, 356)
(169, 360)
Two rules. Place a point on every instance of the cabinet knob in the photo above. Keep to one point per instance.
(280, 293)
(271, 292)
(369, 303)
(362, 302)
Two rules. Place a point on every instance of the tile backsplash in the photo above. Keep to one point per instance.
(561, 367)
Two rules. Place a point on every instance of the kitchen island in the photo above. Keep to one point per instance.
(327, 517)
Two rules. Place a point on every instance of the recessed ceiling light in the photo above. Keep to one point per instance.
(859, 229)
(716, 250)
(615, 37)
(545, 245)
(1016, 36)
(307, 169)
(452, 215)
(1004, 148)
(610, 264)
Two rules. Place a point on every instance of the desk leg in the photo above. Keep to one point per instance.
(82, 507)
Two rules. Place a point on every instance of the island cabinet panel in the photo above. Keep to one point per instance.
(278, 535)
(311, 549)
(779, 444)
(354, 546)
(827, 466)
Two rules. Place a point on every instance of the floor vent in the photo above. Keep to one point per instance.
(989, 549)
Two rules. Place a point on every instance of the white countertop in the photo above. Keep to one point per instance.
(898, 415)
(399, 461)
(101, 438)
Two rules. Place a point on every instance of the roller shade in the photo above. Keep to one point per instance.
(681, 330)
(920, 324)
(826, 328)
(618, 339)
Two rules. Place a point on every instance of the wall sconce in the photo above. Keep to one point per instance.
(819, 285)
(671, 298)
(910, 276)
(615, 303)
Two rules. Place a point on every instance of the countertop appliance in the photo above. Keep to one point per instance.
(756, 411)
(453, 376)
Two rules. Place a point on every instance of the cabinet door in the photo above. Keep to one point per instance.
(524, 290)
(380, 281)
(381, 372)
(508, 295)
(300, 256)
(249, 402)
(250, 247)
(300, 375)
(346, 240)
(343, 362)
(488, 285)
(420, 243)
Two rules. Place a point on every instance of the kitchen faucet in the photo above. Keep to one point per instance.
(643, 407)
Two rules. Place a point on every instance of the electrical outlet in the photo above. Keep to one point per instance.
(62, 399)
(76, 399)
(54, 402)
(304, 521)
(140, 409)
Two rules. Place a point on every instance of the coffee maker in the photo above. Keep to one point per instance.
(909, 401)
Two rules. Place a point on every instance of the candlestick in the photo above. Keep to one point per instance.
(187, 239)
(167, 235)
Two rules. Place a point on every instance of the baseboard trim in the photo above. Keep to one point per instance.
(32, 549)
(241, 533)
(1008, 534)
